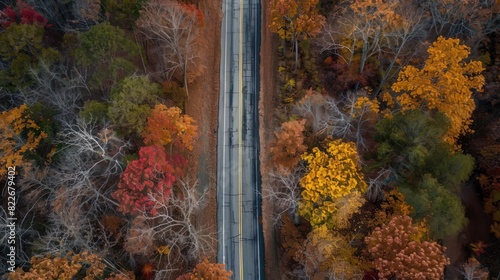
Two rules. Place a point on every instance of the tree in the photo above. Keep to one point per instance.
(208, 271)
(411, 143)
(445, 83)
(65, 267)
(324, 116)
(284, 191)
(394, 204)
(397, 252)
(58, 87)
(106, 53)
(22, 49)
(131, 102)
(473, 270)
(152, 175)
(94, 111)
(23, 13)
(288, 145)
(173, 226)
(328, 255)
(20, 135)
(333, 181)
(359, 31)
(296, 20)
(69, 15)
(77, 188)
(470, 21)
(122, 13)
(169, 126)
(426, 169)
(174, 29)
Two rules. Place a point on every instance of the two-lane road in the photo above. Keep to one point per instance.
(238, 178)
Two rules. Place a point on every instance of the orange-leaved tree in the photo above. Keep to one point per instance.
(207, 271)
(333, 185)
(169, 126)
(445, 83)
(153, 174)
(289, 144)
(295, 20)
(62, 267)
(397, 251)
(20, 135)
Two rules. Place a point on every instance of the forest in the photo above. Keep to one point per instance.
(384, 163)
(96, 146)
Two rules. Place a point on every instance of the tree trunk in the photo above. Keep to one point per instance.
(297, 54)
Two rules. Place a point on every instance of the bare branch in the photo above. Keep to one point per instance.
(174, 31)
(171, 223)
(284, 192)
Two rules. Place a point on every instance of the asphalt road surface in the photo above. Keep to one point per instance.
(238, 178)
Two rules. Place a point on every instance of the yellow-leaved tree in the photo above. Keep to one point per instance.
(333, 186)
(326, 254)
(444, 83)
(20, 135)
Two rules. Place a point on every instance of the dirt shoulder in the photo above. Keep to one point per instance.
(203, 106)
(266, 127)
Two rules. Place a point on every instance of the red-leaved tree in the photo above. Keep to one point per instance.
(23, 14)
(153, 174)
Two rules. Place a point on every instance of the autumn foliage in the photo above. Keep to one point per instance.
(445, 83)
(294, 18)
(288, 145)
(326, 253)
(333, 182)
(397, 251)
(151, 175)
(64, 267)
(169, 126)
(22, 14)
(20, 135)
(207, 271)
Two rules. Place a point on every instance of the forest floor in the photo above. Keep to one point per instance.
(203, 105)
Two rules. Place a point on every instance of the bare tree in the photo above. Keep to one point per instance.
(173, 29)
(342, 118)
(172, 223)
(375, 185)
(79, 187)
(324, 115)
(359, 121)
(284, 192)
(473, 270)
(360, 31)
(23, 234)
(470, 20)
(401, 43)
(58, 87)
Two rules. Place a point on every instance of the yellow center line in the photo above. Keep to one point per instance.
(240, 146)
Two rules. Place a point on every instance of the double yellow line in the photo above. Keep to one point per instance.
(240, 144)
